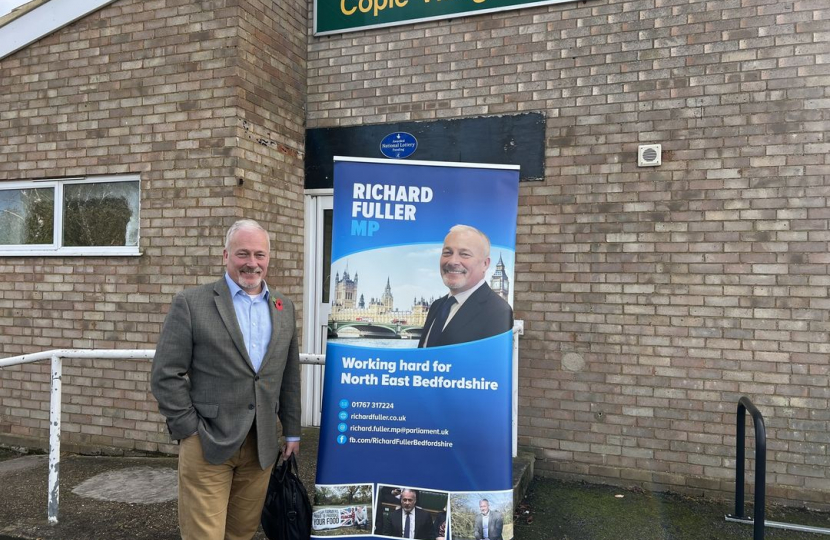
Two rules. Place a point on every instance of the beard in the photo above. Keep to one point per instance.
(250, 280)
(454, 278)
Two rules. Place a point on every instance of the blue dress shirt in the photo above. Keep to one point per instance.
(254, 317)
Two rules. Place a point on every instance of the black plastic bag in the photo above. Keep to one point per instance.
(287, 511)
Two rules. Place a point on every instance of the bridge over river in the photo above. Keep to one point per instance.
(371, 329)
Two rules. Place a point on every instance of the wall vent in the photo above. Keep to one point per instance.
(649, 155)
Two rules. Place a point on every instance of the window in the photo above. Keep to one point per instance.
(90, 216)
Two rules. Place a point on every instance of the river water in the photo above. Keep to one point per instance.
(380, 343)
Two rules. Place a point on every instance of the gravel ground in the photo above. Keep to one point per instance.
(23, 492)
(553, 510)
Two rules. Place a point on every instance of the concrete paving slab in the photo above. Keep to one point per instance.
(135, 485)
(23, 463)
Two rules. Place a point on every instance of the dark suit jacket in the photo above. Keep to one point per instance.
(494, 527)
(423, 524)
(205, 382)
(484, 314)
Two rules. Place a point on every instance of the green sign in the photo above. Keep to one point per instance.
(338, 16)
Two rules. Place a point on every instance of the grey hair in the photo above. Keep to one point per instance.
(467, 228)
(245, 224)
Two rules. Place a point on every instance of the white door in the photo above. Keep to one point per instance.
(316, 283)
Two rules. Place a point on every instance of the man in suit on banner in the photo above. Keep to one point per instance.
(409, 521)
(489, 523)
(471, 311)
(226, 376)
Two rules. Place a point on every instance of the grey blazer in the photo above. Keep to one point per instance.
(205, 383)
(494, 529)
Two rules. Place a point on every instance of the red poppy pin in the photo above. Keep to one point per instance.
(278, 304)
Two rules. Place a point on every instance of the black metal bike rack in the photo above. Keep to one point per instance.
(744, 405)
(758, 523)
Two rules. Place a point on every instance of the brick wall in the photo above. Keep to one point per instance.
(653, 298)
(272, 58)
(167, 90)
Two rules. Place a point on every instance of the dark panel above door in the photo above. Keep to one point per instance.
(511, 140)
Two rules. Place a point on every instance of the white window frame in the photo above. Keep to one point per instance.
(55, 249)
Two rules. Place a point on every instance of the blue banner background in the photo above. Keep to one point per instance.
(478, 421)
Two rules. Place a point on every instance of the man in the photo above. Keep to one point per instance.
(226, 376)
(361, 520)
(409, 521)
(489, 523)
(471, 310)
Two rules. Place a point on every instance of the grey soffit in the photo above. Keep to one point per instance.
(40, 18)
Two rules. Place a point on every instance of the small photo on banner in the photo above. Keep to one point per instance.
(418, 377)
(482, 515)
(344, 510)
(424, 510)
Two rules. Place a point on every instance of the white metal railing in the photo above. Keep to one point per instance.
(56, 356)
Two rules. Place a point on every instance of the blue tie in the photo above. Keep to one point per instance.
(406, 526)
(440, 321)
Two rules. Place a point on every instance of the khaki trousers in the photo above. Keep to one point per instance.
(220, 502)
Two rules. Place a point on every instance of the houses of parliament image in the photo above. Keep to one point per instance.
(351, 314)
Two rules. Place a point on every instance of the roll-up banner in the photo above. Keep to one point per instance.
(416, 422)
